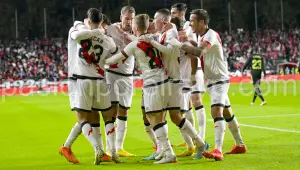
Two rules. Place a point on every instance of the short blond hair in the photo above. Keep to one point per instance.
(142, 21)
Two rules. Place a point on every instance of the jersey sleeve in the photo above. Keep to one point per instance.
(113, 48)
(172, 33)
(129, 49)
(210, 37)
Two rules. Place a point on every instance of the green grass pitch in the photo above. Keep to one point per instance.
(34, 127)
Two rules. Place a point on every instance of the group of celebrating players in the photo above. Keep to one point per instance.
(174, 56)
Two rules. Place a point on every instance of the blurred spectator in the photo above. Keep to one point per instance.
(35, 59)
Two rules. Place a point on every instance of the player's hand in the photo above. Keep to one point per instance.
(119, 28)
(174, 42)
(167, 27)
(145, 39)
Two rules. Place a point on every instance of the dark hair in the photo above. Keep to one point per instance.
(180, 6)
(106, 20)
(126, 9)
(94, 15)
(164, 11)
(201, 15)
(142, 21)
(178, 22)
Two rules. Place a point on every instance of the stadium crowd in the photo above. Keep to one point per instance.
(38, 59)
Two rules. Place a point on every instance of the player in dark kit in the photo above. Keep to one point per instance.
(256, 63)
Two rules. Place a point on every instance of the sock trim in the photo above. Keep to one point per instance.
(158, 126)
(228, 106)
(124, 118)
(218, 119)
(124, 107)
(181, 123)
(199, 107)
(83, 123)
(217, 104)
(95, 125)
(147, 124)
(230, 119)
(108, 122)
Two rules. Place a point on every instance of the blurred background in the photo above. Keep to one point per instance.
(33, 33)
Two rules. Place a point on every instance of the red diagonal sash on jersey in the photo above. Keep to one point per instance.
(155, 61)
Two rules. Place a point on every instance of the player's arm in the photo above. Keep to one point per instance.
(124, 54)
(247, 64)
(81, 32)
(197, 51)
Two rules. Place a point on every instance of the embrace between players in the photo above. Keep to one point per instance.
(171, 54)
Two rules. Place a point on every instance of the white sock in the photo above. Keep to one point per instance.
(97, 133)
(150, 133)
(188, 140)
(107, 143)
(75, 132)
(220, 128)
(190, 117)
(87, 131)
(201, 121)
(121, 130)
(187, 127)
(234, 128)
(162, 136)
(111, 136)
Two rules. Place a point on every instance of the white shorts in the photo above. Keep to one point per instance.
(72, 92)
(92, 95)
(121, 89)
(174, 96)
(185, 99)
(155, 97)
(219, 94)
(199, 86)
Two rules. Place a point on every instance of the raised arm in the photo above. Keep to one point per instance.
(81, 32)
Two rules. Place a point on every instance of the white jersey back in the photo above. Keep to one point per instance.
(189, 32)
(127, 66)
(91, 54)
(72, 53)
(171, 63)
(149, 61)
(213, 63)
(185, 66)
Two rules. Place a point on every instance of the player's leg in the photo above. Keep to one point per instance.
(113, 91)
(185, 108)
(103, 104)
(218, 95)
(66, 150)
(200, 112)
(85, 99)
(95, 123)
(258, 92)
(125, 85)
(234, 128)
(154, 100)
(198, 90)
(182, 123)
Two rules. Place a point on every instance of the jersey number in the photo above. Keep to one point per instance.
(256, 64)
(155, 58)
(92, 58)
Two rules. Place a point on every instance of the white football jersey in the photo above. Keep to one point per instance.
(91, 53)
(72, 53)
(171, 63)
(213, 63)
(126, 66)
(185, 66)
(189, 31)
(149, 61)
